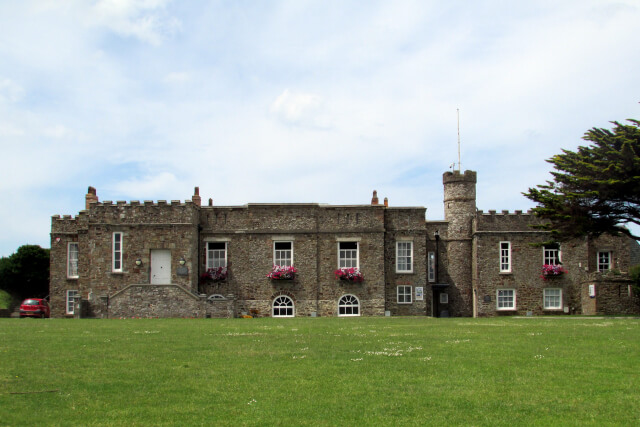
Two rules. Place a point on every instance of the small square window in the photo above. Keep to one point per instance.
(551, 255)
(283, 254)
(404, 295)
(216, 254)
(506, 299)
(604, 261)
(348, 255)
(552, 298)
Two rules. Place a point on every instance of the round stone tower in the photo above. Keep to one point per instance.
(459, 212)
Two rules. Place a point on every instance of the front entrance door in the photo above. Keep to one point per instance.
(160, 267)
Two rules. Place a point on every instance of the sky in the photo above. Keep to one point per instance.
(299, 101)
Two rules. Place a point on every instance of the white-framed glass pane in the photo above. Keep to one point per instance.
(604, 261)
(404, 257)
(216, 254)
(282, 307)
(404, 294)
(348, 255)
(506, 299)
(71, 297)
(505, 256)
(431, 263)
(117, 251)
(552, 298)
(348, 306)
(283, 254)
(551, 255)
(72, 260)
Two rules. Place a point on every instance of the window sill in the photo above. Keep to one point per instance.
(405, 303)
(73, 277)
(506, 273)
(506, 309)
(404, 272)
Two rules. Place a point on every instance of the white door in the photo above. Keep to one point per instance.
(160, 267)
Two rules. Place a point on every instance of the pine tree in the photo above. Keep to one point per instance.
(595, 189)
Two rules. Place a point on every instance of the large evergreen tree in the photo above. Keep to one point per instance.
(595, 189)
(25, 273)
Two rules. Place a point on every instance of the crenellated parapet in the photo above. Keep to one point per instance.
(147, 212)
(507, 221)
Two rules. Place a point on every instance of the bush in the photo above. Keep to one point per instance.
(5, 300)
(634, 273)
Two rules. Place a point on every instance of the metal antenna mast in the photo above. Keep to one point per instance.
(459, 164)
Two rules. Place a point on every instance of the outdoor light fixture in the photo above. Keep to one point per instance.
(182, 261)
(138, 262)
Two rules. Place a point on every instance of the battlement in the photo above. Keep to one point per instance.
(456, 176)
(135, 203)
(505, 212)
(506, 221)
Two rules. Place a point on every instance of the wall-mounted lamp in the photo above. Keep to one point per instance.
(182, 261)
(436, 234)
(138, 262)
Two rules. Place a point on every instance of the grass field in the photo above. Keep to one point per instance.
(322, 371)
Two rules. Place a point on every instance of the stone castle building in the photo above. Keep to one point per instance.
(186, 259)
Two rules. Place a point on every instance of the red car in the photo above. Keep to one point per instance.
(34, 307)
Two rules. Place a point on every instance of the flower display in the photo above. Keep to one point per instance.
(351, 274)
(550, 270)
(216, 274)
(282, 272)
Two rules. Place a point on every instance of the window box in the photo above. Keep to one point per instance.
(351, 274)
(218, 274)
(282, 272)
(550, 271)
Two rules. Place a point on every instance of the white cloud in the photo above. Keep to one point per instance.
(145, 20)
(10, 91)
(152, 186)
(299, 108)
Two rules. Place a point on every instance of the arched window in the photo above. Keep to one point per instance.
(348, 306)
(282, 307)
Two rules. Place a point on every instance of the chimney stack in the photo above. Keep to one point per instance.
(374, 199)
(196, 196)
(91, 197)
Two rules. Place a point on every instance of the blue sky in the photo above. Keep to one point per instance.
(298, 101)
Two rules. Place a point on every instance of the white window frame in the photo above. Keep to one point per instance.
(72, 260)
(348, 303)
(117, 252)
(505, 257)
(604, 266)
(551, 255)
(547, 297)
(213, 261)
(501, 297)
(406, 254)
(277, 308)
(431, 266)
(72, 294)
(281, 254)
(401, 293)
(347, 262)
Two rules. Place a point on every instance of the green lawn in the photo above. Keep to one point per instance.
(322, 371)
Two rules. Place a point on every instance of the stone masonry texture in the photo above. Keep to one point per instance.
(172, 238)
